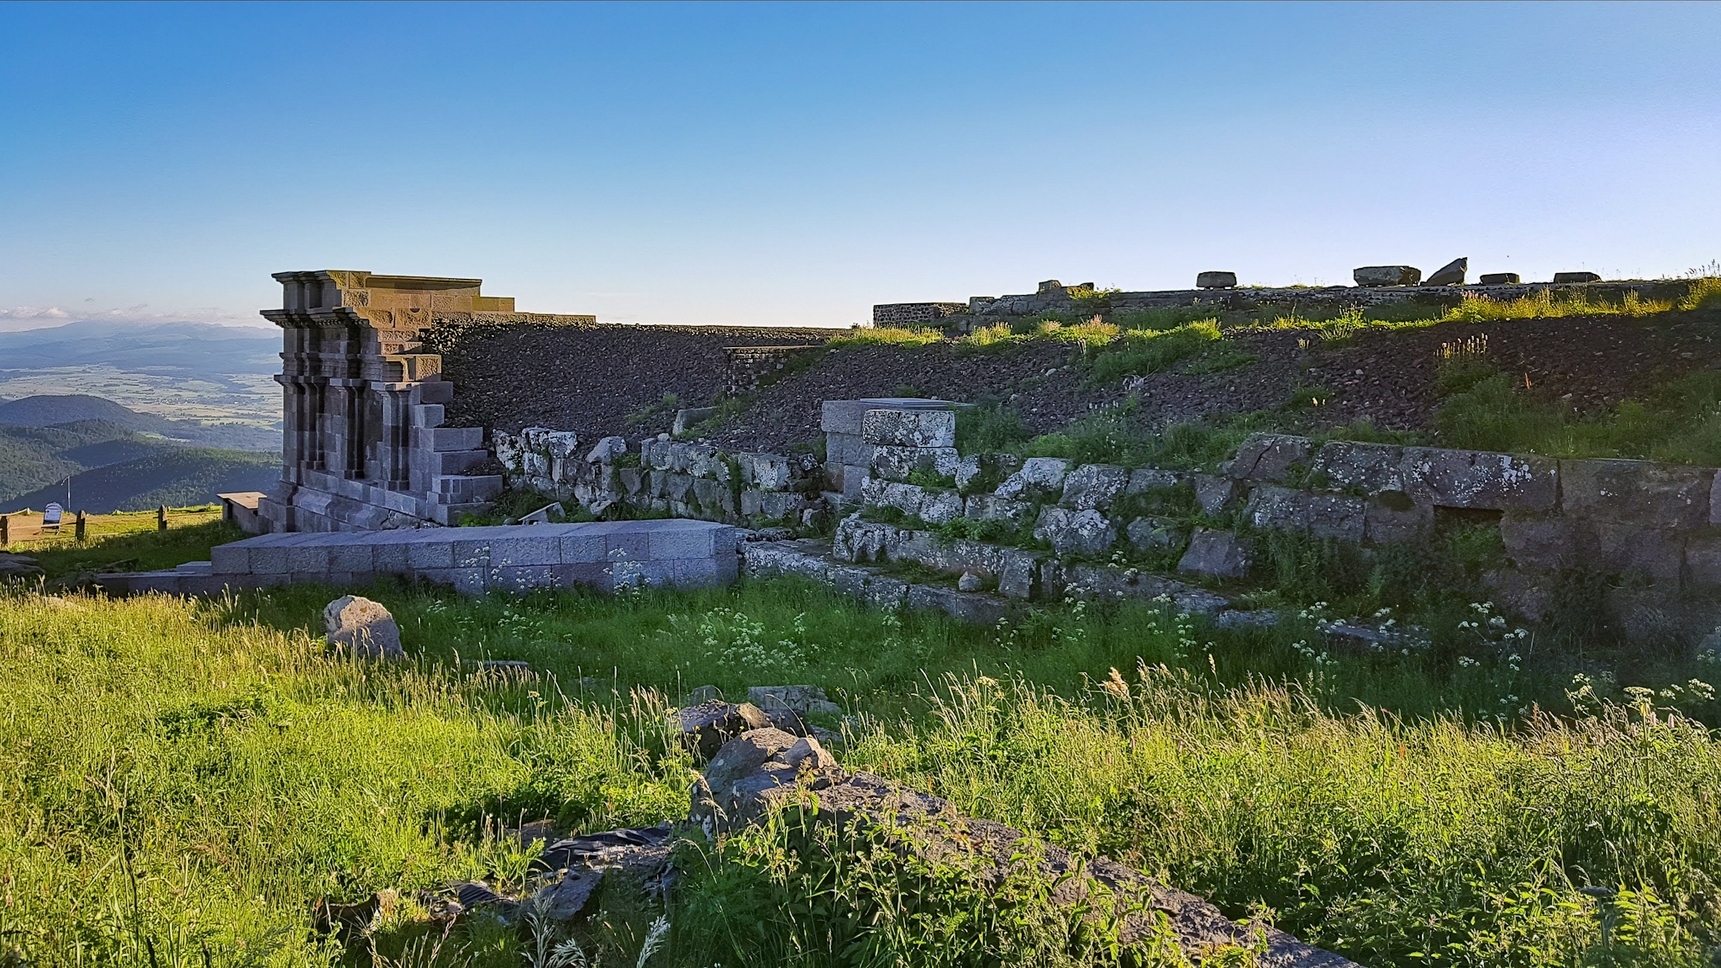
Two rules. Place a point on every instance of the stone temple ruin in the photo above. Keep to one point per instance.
(368, 448)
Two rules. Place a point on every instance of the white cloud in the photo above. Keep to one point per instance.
(22, 318)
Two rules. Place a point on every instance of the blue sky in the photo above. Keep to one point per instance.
(789, 164)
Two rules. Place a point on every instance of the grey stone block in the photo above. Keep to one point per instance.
(1215, 493)
(525, 550)
(697, 573)
(1542, 541)
(1346, 465)
(1478, 479)
(1144, 480)
(1216, 554)
(467, 581)
(230, 559)
(1637, 492)
(847, 416)
(680, 543)
(1039, 477)
(972, 607)
(1269, 457)
(629, 544)
(429, 555)
(524, 578)
(1703, 562)
(991, 507)
(1631, 550)
(941, 506)
(268, 560)
(1094, 486)
(893, 463)
(1075, 532)
(447, 439)
(1019, 576)
(1322, 515)
(1149, 535)
(351, 557)
(909, 428)
(1392, 517)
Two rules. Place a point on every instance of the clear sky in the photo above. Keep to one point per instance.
(796, 163)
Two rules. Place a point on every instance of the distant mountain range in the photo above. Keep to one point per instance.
(120, 460)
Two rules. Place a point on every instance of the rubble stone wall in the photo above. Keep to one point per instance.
(1060, 299)
(680, 478)
(1651, 532)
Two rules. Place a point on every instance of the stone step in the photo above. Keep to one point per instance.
(672, 553)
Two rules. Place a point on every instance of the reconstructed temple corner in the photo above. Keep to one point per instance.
(364, 446)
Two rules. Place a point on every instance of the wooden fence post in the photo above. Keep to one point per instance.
(161, 518)
(83, 524)
(5, 529)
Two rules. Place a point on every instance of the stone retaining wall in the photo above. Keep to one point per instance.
(681, 478)
(1651, 532)
(910, 314)
(1054, 298)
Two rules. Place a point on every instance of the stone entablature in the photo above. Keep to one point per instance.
(364, 445)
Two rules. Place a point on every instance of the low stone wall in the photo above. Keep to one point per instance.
(600, 555)
(1651, 532)
(681, 478)
(1059, 298)
(910, 314)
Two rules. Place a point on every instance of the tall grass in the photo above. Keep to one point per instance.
(1393, 842)
(175, 780)
(889, 336)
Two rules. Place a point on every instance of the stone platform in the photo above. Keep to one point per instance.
(674, 553)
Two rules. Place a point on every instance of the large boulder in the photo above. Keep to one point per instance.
(362, 627)
(1387, 275)
(1450, 274)
(18, 566)
(1216, 279)
(1562, 277)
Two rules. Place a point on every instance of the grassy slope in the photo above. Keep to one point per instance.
(248, 774)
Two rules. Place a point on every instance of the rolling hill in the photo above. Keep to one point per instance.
(48, 410)
(119, 459)
(175, 477)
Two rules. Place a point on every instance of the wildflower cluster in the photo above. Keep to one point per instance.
(739, 646)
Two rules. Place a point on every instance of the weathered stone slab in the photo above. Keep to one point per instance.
(1216, 554)
(976, 608)
(1215, 279)
(1637, 492)
(1570, 277)
(991, 507)
(1094, 486)
(1480, 479)
(1144, 480)
(1321, 515)
(909, 428)
(1386, 275)
(1450, 274)
(1346, 465)
(1039, 477)
(894, 463)
(1214, 493)
(1542, 541)
(1075, 532)
(1151, 535)
(1497, 279)
(1393, 517)
(848, 416)
(1633, 551)
(1269, 457)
